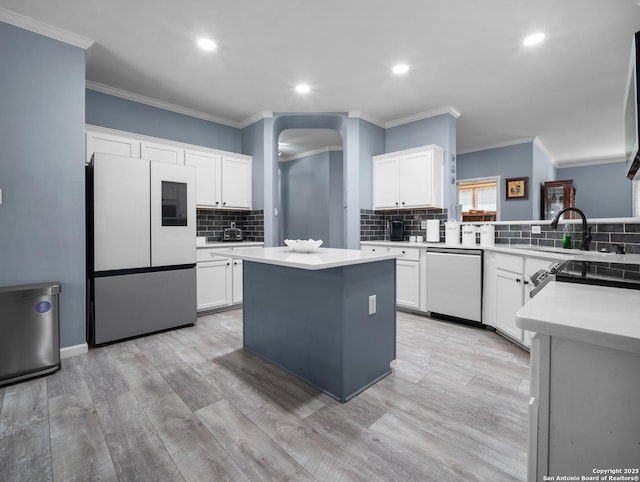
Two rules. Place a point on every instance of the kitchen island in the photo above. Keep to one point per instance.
(327, 317)
(585, 381)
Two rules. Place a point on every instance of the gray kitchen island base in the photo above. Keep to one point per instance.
(316, 324)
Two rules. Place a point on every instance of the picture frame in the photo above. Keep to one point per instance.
(517, 188)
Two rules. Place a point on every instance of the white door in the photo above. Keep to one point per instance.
(508, 302)
(237, 281)
(416, 180)
(161, 153)
(214, 289)
(408, 283)
(385, 183)
(236, 183)
(120, 213)
(173, 214)
(207, 177)
(110, 144)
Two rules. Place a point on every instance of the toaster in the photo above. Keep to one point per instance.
(232, 233)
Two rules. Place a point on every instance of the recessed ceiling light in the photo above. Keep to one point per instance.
(303, 88)
(400, 69)
(533, 39)
(207, 44)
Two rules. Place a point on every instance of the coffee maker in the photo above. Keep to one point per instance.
(396, 231)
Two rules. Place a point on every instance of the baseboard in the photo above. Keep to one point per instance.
(73, 350)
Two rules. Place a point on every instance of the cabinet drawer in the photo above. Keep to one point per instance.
(373, 249)
(207, 255)
(409, 254)
(509, 262)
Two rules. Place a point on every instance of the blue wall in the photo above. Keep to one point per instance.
(543, 170)
(371, 144)
(253, 145)
(439, 130)
(116, 113)
(42, 234)
(602, 190)
(309, 205)
(506, 162)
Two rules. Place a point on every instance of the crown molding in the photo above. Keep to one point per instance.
(546, 151)
(312, 152)
(590, 162)
(495, 145)
(123, 94)
(42, 28)
(265, 114)
(424, 115)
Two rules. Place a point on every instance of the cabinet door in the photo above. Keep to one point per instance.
(408, 283)
(214, 284)
(162, 153)
(236, 183)
(110, 144)
(207, 177)
(237, 281)
(508, 302)
(385, 183)
(416, 180)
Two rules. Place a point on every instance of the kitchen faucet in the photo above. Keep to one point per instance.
(586, 232)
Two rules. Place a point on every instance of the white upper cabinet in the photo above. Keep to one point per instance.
(409, 179)
(385, 183)
(208, 178)
(236, 183)
(223, 179)
(161, 152)
(111, 144)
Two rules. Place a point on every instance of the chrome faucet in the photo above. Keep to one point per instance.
(586, 231)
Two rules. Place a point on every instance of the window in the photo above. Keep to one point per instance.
(635, 211)
(479, 199)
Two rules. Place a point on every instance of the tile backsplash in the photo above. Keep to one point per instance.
(211, 222)
(604, 235)
(374, 224)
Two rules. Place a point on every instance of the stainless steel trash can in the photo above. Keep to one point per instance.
(29, 331)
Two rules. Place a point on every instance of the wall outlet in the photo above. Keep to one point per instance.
(423, 225)
(372, 304)
(536, 229)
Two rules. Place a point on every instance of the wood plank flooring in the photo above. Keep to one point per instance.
(191, 404)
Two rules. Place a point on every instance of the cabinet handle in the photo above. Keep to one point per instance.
(403, 249)
(224, 203)
(217, 202)
(373, 249)
(518, 280)
(526, 282)
(228, 264)
(403, 203)
(235, 262)
(396, 203)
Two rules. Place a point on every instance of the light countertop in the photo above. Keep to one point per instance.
(550, 253)
(229, 244)
(321, 259)
(598, 315)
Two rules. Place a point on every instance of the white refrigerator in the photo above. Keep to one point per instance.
(141, 247)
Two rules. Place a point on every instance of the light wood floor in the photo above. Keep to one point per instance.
(191, 404)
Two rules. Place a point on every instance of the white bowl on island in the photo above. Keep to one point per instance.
(302, 245)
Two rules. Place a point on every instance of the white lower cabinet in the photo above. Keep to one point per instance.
(507, 288)
(236, 291)
(214, 287)
(407, 273)
(219, 278)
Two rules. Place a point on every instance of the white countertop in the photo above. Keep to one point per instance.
(598, 315)
(550, 253)
(321, 259)
(229, 244)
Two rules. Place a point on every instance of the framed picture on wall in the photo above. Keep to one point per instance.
(517, 188)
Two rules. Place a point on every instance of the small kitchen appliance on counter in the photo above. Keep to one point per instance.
(232, 233)
(396, 231)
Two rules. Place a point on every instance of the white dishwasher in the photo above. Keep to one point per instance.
(454, 283)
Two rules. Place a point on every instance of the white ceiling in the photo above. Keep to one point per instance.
(568, 92)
